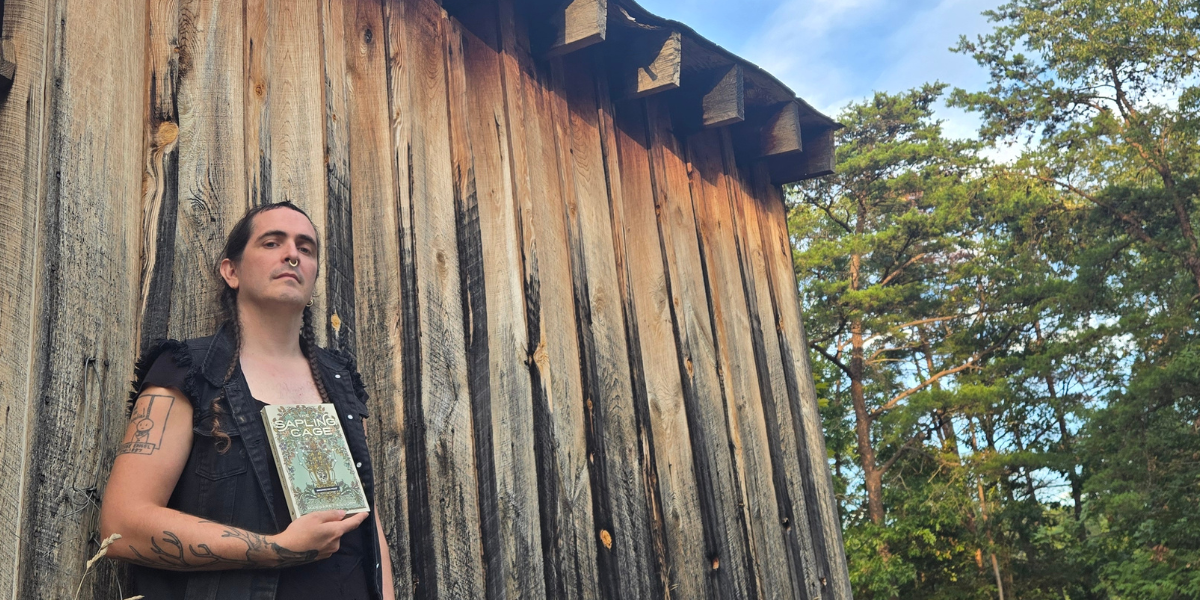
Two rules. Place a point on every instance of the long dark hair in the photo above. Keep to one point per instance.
(227, 305)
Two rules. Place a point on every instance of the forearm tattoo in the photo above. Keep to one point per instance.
(168, 552)
(147, 424)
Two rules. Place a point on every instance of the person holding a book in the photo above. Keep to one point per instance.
(195, 492)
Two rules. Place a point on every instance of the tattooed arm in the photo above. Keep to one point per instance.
(149, 462)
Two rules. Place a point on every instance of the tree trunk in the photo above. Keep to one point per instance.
(872, 477)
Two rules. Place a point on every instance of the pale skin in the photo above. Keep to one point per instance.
(271, 298)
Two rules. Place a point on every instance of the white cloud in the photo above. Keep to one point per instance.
(795, 45)
(832, 53)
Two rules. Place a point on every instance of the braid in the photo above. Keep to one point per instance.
(228, 300)
(308, 345)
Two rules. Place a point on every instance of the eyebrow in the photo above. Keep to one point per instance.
(303, 237)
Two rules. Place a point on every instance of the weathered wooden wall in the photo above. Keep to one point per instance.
(572, 302)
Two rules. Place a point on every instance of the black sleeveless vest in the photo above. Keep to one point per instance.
(232, 487)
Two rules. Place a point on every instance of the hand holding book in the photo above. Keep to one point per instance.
(321, 531)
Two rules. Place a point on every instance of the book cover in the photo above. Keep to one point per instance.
(313, 459)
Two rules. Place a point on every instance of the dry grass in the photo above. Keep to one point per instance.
(96, 558)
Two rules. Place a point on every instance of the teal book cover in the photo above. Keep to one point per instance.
(313, 459)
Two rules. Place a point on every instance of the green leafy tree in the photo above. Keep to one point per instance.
(1105, 92)
(903, 301)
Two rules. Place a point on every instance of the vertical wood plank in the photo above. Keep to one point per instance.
(160, 177)
(339, 214)
(374, 184)
(444, 511)
(735, 359)
(619, 495)
(256, 69)
(284, 115)
(84, 335)
(802, 394)
(493, 304)
(211, 179)
(731, 573)
(656, 364)
(564, 490)
(790, 497)
(23, 120)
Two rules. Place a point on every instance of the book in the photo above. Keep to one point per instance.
(313, 459)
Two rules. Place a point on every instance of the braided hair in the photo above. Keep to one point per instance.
(227, 304)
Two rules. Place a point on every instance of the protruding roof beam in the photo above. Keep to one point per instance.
(815, 160)
(577, 24)
(655, 61)
(723, 97)
(8, 58)
(769, 131)
(8, 68)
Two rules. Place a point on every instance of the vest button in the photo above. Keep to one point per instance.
(359, 465)
(351, 417)
(337, 376)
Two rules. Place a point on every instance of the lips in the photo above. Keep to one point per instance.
(291, 275)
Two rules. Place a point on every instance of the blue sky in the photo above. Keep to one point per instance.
(831, 52)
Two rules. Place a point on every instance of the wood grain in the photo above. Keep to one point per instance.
(652, 63)
(731, 573)
(807, 572)
(23, 121)
(494, 306)
(722, 98)
(656, 364)
(443, 499)
(211, 180)
(580, 331)
(160, 177)
(617, 444)
(338, 49)
(576, 24)
(87, 272)
(735, 360)
(802, 394)
(374, 185)
(569, 539)
(781, 132)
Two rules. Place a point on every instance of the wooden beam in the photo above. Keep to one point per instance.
(723, 99)
(772, 130)
(781, 132)
(8, 66)
(816, 160)
(708, 98)
(654, 63)
(577, 24)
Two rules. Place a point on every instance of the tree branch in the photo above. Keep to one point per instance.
(971, 362)
(1131, 223)
(901, 268)
(833, 359)
(916, 439)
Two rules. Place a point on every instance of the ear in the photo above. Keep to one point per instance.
(229, 273)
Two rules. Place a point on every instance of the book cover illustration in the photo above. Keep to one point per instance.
(313, 459)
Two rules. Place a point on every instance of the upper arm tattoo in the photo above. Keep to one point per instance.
(147, 424)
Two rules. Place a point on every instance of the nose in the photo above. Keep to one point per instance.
(292, 253)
